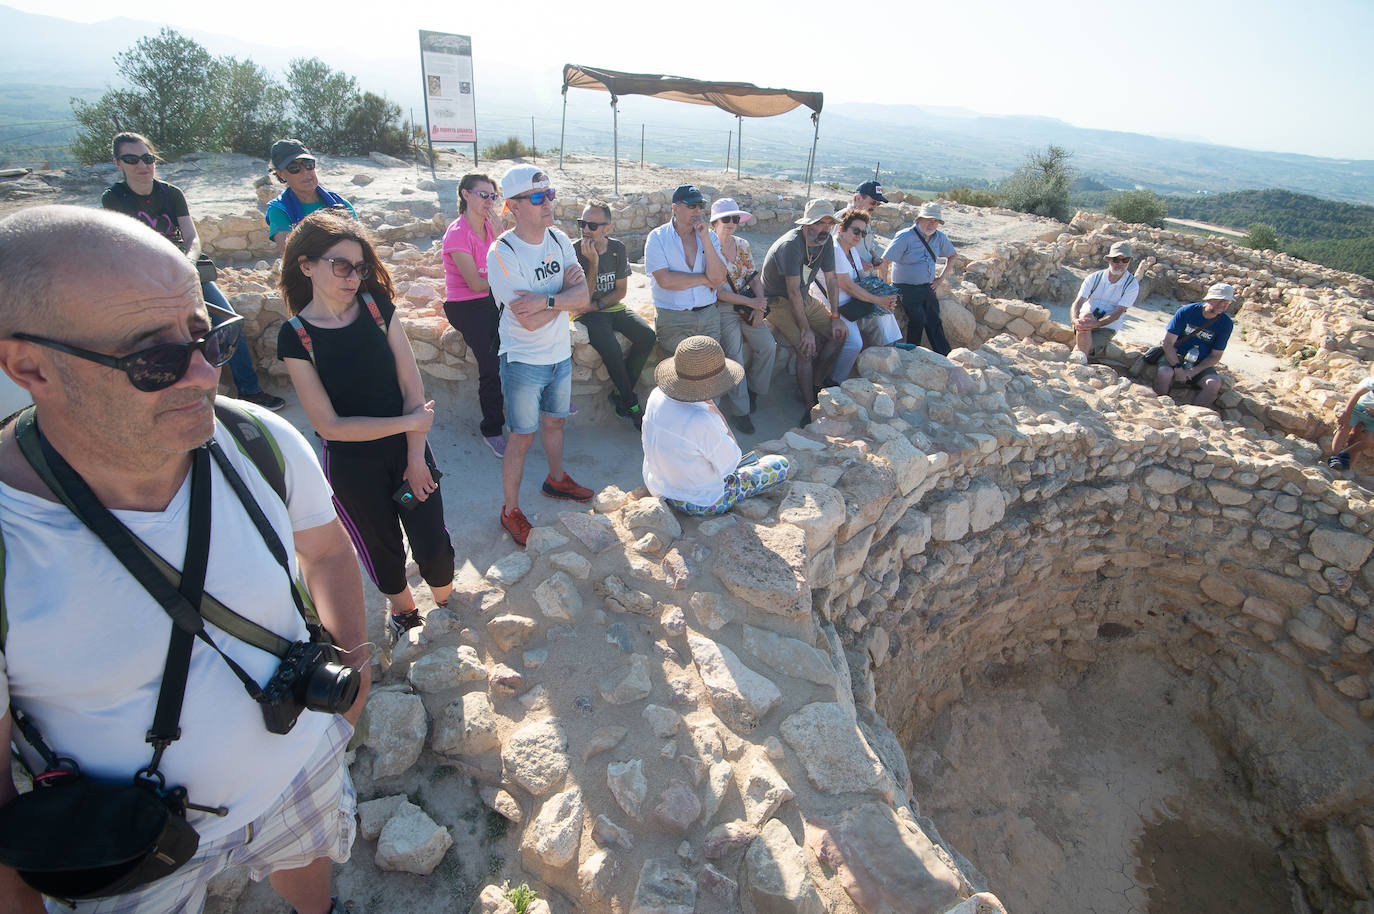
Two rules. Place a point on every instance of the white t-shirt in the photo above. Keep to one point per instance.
(688, 451)
(86, 644)
(845, 267)
(1104, 296)
(515, 266)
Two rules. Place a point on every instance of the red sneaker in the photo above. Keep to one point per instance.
(567, 489)
(516, 525)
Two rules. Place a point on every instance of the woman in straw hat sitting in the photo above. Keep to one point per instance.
(691, 459)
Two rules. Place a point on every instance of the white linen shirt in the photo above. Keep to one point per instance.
(688, 451)
(663, 251)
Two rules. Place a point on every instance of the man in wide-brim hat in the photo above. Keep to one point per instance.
(691, 459)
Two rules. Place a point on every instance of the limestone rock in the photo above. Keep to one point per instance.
(411, 842)
(664, 888)
(558, 598)
(1165, 482)
(712, 610)
(596, 874)
(817, 509)
(627, 684)
(763, 790)
(867, 487)
(544, 539)
(678, 807)
(626, 780)
(397, 732)
(652, 515)
(609, 499)
(492, 901)
(510, 631)
(826, 738)
(717, 782)
(620, 597)
(778, 880)
(740, 696)
(553, 835)
(987, 507)
(663, 721)
(909, 466)
(535, 756)
(467, 728)
(1340, 547)
(884, 862)
(510, 568)
(949, 518)
(608, 834)
(374, 814)
(764, 566)
(572, 563)
(595, 531)
(446, 668)
(603, 738)
(727, 839)
(789, 656)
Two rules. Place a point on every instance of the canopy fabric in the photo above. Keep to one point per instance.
(743, 99)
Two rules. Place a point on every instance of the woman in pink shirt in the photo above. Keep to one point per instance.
(468, 304)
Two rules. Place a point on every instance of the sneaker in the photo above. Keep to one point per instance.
(1078, 358)
(516, 525)
(397, 624)
(636, 415)
(742, 424)
(617, 402)
(265, 400)
(497, 443)
(1339, 461)
(566, 488)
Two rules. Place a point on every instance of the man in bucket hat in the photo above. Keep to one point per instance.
(911, 260)
(790, 271)
(1201, 331)
(1102, 300)
(690, 457)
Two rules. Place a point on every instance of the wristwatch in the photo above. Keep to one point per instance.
(550, 303)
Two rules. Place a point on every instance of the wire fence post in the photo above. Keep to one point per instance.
(739, 153)
(641, 145)
(729, 145)
(534, 147)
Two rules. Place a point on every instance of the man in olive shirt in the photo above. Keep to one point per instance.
(790, 269)
(607, 266)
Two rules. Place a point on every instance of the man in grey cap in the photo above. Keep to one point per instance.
(1102, 300)
(912, 261)
(790, 271)
(1193, 343)
(867, 197)
(294, 166)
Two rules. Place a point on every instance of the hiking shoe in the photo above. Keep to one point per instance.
(397, 624)
(497, 443)
(1078, 358)
(1339, 461)
(265, 400)
(617, 402)
(516, 525)
(742, 424)
(636, 415)
(567, 489)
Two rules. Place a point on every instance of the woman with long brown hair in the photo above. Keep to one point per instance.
(355, 373)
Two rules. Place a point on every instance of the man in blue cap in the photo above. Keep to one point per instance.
(867, 197)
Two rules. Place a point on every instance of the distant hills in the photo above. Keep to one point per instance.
(48, 60)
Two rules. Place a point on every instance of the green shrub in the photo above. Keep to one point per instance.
(1143, 207)
(970, 197)
(521, 896)
(1041, 185)
(1261, 236)
(512, 148)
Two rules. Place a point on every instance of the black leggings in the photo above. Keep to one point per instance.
(477, 320)
(922, 308)
(624, 368)
(365, 475)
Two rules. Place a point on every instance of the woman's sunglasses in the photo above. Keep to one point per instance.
(295, 167)
(484, 194)
(344, 268)
(159, 367)
(129, 158)
(733, 220)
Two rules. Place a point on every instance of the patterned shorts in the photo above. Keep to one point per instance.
(744, 482)
(313, 818)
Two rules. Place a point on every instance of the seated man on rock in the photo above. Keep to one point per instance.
(1355, 428)
(607, 266)
(691, 459)
(1102, 300)
(1193, 343)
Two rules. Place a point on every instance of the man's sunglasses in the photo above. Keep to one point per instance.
(344, 268)
(1121, 260)
(539, 197)
(700, 204)
(589, 224)
(295, 167)
(159, 367)
(129, 158)
(733, 220)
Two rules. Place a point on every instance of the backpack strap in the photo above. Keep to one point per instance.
(376, 312)
(254, 441)
(298, 325)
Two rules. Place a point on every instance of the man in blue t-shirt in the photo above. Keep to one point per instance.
(1193, 344)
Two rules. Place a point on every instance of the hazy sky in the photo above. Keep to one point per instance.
(1263, 74)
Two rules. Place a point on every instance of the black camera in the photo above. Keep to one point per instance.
(309, 677)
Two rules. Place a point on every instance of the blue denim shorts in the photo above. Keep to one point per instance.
(535, 390)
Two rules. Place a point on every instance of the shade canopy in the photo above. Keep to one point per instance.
(741, 99)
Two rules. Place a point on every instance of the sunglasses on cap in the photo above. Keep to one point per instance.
(344, 268)
(296, 166)
(539, 197)
(129, 158)
(159, 367)
(589, 224)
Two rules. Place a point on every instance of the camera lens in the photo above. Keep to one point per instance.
(332, 688)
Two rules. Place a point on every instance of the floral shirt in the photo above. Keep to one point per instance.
(741, 266)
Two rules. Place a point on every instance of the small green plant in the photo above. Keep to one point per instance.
(970, 197)
(1142, 207)
(497, 825)
(512, 148)
(1261, 237)
(522, 896)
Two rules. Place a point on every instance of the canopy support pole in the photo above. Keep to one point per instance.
(811, 162)
(739, 151)
(615, 134)
(563, 131)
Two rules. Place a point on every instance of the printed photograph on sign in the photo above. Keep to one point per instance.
(446, 61)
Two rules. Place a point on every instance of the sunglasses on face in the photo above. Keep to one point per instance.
(858, 231)
(733, 220)
(129, 158)
(344, 268)
(159, 367)
(295, 167)
(484, 194)
(588, 224)
(539, 197)
(1121, 260)
(699, 205)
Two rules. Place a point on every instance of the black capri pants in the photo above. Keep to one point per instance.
(922, 309)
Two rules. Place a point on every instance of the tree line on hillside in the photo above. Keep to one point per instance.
(186, 100)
